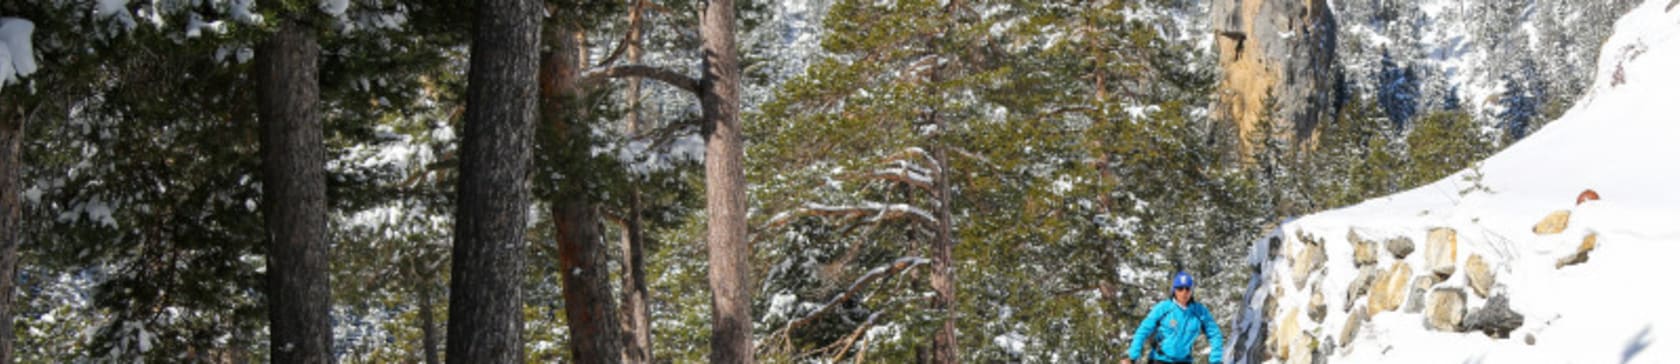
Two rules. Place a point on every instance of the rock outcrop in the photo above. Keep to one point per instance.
(1420, 286)
(1364, 251)
(1481, 277)
(1307, 261)
(1494, 319)
(1390, 289)
(1400, 247)
(1442, 252)
(1281, 49)
(1445, 310)
(1315, 307)
(1553, 223)
(1580, 256)
(1288, 333)
(1361, 284)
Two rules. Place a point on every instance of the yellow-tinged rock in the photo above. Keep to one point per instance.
(1553, 223)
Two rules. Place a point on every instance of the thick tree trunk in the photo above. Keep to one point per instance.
(638, 343)
(488, 261)
(294, 196)
(586, 281)
(726, 196)
(588, 290)
(11, 218)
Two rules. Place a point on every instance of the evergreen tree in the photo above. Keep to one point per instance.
(1450, 101)
(1519, 107)
(1397, 91)
(1443, 143)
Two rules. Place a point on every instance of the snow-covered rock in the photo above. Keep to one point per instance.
(1309, 260)
(1400, 247)
(1553, 223)
(1445, 310)
(1480, 276)
(1618, 140)
(1420, 286)
(1390, 289)
(1361, 284)
(1364, 251)
(1441, 252)
(1494, 319)
(1580, 256)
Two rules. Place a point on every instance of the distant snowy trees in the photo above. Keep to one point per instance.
(1514, 64)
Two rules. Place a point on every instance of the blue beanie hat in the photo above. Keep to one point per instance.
(1182, 280)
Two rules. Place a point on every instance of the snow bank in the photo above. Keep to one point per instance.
(1619, 140)
(17, 54)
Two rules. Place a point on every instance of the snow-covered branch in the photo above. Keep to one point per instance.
(876, 212)
(902, 175)
(896, 267)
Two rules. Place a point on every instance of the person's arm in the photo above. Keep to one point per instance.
(1144, 330)
(1215, 338)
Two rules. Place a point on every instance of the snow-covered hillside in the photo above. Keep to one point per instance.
(1488, 55)
(1479, 228)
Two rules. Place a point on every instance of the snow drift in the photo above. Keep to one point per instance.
(1590, 286)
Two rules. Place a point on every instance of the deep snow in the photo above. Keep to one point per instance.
(1620, 139)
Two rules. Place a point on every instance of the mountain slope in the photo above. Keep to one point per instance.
(1618, 140)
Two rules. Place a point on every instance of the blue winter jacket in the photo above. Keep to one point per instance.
(1176, 328)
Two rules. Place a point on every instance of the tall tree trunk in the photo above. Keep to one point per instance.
(726, 196)
(944, 284)
(11, 218)
(488, 263)
(428, 325)
(586, 281)
(638, 343)
(638, 346)
(295, 196)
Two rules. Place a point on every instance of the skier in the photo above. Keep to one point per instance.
(1173, 326)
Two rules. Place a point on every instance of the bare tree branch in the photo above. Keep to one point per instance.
(597, 75)
(624, 44)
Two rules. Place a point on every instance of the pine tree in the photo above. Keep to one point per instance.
(1397, 91)
(1440, 144)
(1519, 108)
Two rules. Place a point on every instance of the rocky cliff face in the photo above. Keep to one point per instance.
(1283, 49)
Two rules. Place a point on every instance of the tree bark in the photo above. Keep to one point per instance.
(428, 325)
(588, 291)
(726, 197)
(944, 284)
(294, 194)
(638, 344)
(488, 263)
(11, 218)
(586, 282)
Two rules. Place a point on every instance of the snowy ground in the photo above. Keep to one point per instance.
(1620, 140)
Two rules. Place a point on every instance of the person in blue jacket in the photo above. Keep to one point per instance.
(1174, 325)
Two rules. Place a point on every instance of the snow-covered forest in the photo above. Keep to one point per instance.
(812, 181)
